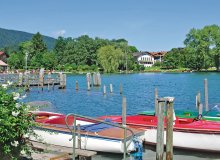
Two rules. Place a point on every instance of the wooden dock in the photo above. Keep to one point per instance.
(24, 80)
(53, 152)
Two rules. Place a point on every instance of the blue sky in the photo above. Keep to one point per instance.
(150, 25)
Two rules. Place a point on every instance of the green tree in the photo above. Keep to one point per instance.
(38, 44)
(175, 58)
(37, 61)
(49, 60)
(109, 57)
(16, 60)
(59, 48)
(197, 45)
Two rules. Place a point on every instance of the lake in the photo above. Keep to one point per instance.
(137, 88)
(139, 92)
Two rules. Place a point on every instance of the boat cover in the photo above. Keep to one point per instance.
(96, 127)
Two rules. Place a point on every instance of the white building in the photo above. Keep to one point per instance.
(148, 58)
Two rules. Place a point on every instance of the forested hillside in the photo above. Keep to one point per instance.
(13, 38)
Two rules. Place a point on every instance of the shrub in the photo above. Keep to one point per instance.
(15, 125)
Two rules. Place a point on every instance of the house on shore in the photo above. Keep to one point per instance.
(148, 59)
(3, 58)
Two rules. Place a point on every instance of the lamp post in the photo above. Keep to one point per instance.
(26, 57)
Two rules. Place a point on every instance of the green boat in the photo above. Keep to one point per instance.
(211, 115)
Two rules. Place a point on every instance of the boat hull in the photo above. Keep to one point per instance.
(187, 140)
(87, 142)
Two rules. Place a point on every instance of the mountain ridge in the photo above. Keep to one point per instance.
(10, 37)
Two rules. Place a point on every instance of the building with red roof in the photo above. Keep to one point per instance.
(149, 58)
(3, 58)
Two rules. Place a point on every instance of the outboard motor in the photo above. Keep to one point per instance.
(137, 154)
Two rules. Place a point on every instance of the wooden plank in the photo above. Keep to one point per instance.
(69, 150)
(58, 157)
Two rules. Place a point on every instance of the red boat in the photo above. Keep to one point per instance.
(187, 133)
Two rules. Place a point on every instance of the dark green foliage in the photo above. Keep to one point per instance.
(16, 60)
(72, 54)
(202, 45)
(174, 59)
(11, 39)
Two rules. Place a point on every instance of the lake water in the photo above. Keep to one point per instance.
(139, 92)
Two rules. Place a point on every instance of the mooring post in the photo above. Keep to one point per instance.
(74, 138)
(160, 130)
(41, 78)
(88, 86)
(49, 80)
(20, 79)
(121, 88)
(99, 79)
(169, 128)
(124, 124)
(77, 86)
(53, 84)
(48, 86)
(206, 94)
(200, 109)
(79, 136)
(156, 101)
(64, 81)
(104, 90)
(111, 88)
(198, 100)
(89, 79)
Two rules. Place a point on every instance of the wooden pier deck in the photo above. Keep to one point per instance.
(21, 80)
(53, 152)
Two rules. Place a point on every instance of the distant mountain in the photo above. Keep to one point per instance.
(13, 38)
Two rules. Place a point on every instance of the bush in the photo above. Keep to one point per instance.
(15, 125)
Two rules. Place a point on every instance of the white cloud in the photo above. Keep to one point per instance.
(60, 33)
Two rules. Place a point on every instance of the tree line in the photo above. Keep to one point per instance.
(201, 51)
(75, 54)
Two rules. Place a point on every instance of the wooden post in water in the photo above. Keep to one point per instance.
(121, 88)
(20, 79)
(79, 136)
(77, 86)
(198, 100)
(156, 101)
(160, 129)
(111, 88)
(53, 84)
(88, 86)
(206, 94)
(99, 79)
(124, 124)
(62, 81)
(41, 78)
(49, 80)
(200, 109)
(169, 128)
(104, 90)
(89, 79)
(48, 86)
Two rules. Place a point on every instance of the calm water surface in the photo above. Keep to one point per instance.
(139, 91)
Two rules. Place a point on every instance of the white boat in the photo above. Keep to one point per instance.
(52, 130)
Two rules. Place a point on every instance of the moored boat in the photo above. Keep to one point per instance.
(187, 133)
(209, 116)
(94, 136)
